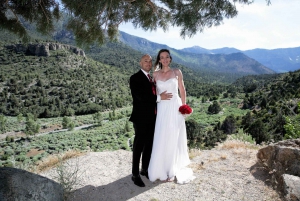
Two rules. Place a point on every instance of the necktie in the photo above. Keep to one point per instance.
(153, 87)
(152, 84)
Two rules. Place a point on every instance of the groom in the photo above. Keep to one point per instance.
(143, 116)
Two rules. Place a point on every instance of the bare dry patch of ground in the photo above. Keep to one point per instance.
(228, 172)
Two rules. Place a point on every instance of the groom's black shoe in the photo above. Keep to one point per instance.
(138, 181)
(144, 173)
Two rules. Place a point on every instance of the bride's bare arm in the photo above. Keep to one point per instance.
(181, 86)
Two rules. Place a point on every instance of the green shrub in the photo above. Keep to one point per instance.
(9, 139)
(51, 147)
(9, 152)
(291, 128)
(21, 158)
(243, 137)
(4, 157)
(8, 164)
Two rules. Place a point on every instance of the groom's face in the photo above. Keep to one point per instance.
(146, 63)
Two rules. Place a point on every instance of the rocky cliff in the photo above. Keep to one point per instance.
(43, 49)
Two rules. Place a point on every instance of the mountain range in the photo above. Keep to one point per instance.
(217, 65)
(235, 63)
(279, 60)
(256, 61)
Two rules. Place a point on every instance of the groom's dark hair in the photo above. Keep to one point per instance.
(158, 57)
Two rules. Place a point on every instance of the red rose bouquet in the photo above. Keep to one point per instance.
(185, 110)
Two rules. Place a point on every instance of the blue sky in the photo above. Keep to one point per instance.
(256, 26)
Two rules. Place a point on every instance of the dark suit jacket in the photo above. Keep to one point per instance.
(144, 101)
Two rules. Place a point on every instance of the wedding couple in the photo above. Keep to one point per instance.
(160, 132)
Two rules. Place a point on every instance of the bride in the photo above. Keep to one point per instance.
(169, 156)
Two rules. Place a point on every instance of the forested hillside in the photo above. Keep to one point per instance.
(58, 85)
(65, 84)
(273, 104)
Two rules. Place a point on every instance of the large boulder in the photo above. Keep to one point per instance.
(291, 187)
(282, 160)
(17, 184)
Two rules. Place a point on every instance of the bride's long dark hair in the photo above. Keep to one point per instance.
(158, 58)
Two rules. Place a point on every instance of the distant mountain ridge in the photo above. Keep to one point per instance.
(201, 50)
(200, 59)
(279, 60)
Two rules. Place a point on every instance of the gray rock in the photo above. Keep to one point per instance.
(44, 49)
(279, 159)
(52, 46)
(291, 187)
(39, 49)
(17, 184)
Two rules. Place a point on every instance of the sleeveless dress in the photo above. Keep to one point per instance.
(169, 156)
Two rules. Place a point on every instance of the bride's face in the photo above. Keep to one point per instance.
(165, 59)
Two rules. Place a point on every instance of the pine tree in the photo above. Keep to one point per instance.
(91, 20)
(98, 118)
(32, 127)
(67, 123)
(3, 121)
(229, 125)
(215, 108)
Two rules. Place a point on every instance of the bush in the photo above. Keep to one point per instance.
(215, 108)
(243, 137)
(21, 158)
(9, 152)
(4, 157)
(8, 164)
(292, 132)
(9, 139)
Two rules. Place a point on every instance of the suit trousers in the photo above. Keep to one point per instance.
(142, 145)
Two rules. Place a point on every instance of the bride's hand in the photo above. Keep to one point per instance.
(166, 96)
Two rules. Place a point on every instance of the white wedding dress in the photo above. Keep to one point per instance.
(169, 156)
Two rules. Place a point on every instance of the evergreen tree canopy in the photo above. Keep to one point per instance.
(90, 19)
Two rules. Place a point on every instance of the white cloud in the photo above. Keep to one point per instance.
(256, 26)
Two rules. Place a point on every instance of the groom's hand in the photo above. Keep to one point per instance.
(166, 96)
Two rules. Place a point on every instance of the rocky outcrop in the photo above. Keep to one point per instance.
(291, 187)
(38, 49)
(43, 49)
(17, 184)
(283, 163)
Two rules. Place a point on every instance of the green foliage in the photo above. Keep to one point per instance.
(201, 139)
(87, 20)
(127, 128)
(32, 127)
(9, 139)
(274, 106)
(229, 125)
(292, 127)
(60, 85)
(215, 108)
(243, 137)
(110, 136)
(3, 121)
(98, 118)
(195, 134)
(20, 117)
(258, 131)
(67, 123)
